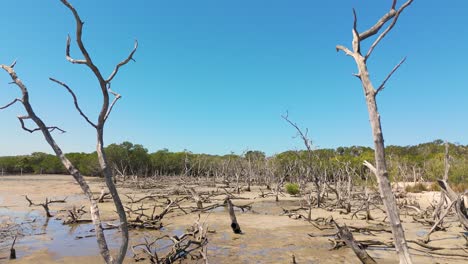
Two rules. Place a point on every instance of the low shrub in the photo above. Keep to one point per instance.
(417, 188)
(460, 187)
(292, 188)
(434, 187)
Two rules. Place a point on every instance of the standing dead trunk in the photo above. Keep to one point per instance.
(234, 225)
(380, 170)
(12, 249)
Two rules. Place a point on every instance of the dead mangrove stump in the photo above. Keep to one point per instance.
(12, 249)
(234, 224)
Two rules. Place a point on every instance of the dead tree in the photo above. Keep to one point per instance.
(308, 144)
(107, 106)
(45, 204)
(380, 170)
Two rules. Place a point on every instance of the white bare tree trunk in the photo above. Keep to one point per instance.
(380, 170)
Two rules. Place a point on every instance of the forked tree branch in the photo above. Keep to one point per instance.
(67, 54)
(117, 96)
(23, 126)
(395, 19)
(75, 100)
(25, 101)
(122, 63)
(303, 135)
(103, 83)
(376, 28)
(79, 33)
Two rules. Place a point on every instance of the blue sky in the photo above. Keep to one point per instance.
(215, 76)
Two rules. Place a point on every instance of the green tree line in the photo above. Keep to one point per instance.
(423, 162)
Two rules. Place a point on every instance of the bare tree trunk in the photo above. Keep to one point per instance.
(234, 225)
(380, 170)
(370, 93)
(107, 172)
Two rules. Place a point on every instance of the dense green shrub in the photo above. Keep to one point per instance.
(292, 188)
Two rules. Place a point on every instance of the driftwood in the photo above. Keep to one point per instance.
(147, 197)
(74, 216)
(153, 221)
(347, 237)
(45, 204)
(190, 244)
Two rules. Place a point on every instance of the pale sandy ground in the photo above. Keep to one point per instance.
(268, 237)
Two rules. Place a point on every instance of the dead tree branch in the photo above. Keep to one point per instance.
(75, 101)
(347, 237)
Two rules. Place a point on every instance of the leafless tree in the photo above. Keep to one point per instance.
(107, 106)
(308, 162)
(380, 170)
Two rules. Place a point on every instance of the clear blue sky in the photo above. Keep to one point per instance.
(215, 76)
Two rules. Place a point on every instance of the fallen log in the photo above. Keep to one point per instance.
(345, 235)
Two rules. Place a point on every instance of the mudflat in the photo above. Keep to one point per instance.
(272, 231)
